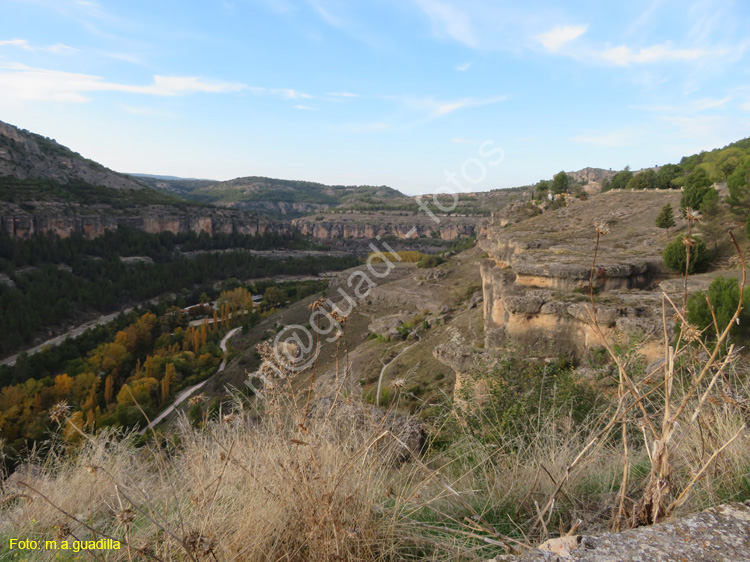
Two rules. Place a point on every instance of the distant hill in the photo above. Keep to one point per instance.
(28, 156)
(47, 188)
(281, 197)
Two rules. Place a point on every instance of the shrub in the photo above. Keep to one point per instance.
(675, 256)
(724, 295)
(430, 261)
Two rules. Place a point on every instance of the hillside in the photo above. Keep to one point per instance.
(48, 188)
(28, 156)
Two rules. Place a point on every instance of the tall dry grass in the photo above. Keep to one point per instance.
(313, 475)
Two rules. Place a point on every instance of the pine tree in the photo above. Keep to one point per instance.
(666, 218)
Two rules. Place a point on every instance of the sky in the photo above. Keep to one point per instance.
(405, 93)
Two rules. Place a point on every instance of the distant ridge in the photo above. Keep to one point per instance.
(27, 156)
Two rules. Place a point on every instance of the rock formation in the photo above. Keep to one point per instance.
(537, 274)
(95, 221)
(719, 534)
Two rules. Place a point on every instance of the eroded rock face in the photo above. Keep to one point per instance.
(719, 534)
(152, 219)
(348, 226)
(536, 280)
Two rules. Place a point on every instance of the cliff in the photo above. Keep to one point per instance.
(92, 221)
(536, 276)
(399, 225)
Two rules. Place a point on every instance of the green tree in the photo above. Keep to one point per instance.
(665, 219)
(621, 179)
(542, 188)
(666, 176)
(560, 182)
(642, 180)
(697, 186)
(739, 188)
(724, 295)
(675, 256)
(712, 225)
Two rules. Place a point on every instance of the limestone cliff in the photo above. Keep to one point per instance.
(93, 221)
(537, 274)
(355, 225)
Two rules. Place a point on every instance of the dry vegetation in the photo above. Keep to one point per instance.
(291, 478)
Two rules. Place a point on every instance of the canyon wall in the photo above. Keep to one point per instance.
(364, 226)
(153, 219)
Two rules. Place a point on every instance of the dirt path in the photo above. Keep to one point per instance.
(185, 394)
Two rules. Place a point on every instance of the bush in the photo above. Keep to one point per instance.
(430, 261)
(675, 256)
(724, 295)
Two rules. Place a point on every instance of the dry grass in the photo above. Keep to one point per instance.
(287, 478)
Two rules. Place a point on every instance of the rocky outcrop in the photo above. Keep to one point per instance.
(719, 534)
(536, 280)
(25, 155)
(366, 226)
(92, 222)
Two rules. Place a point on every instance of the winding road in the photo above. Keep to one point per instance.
(185, 394)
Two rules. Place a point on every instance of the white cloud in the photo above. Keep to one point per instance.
(745, 106)
(464, 67)
(344, 95)
(625, 56)
(21, 82)
(290, 94)
(306, 108)
(611, 139)
(560, 36)
(436, 108)
(450, 21)
(56, 49)
(692, 107)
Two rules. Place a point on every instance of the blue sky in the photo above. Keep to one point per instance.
(394, 92)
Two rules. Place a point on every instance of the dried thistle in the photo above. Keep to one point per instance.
(90, 468)
(59, 411)
(693, 215)
(688, 241)
(200, 544)
(602, 228)
(229, 418)
(63, 531)
(126, 516)
(317, 304)
(398, 384)
(197, 399)
(690, 333)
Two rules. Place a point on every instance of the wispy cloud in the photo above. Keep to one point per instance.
(306, 108)
(148, 111)
(57, 48)
(344, 95)
(691, 107)
(437, 108)
(449, 21)
(606, 139)
(21, 83)
(554, 39)
(625, 56)
(464, 67)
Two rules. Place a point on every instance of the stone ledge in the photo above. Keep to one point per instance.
(718, 534)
